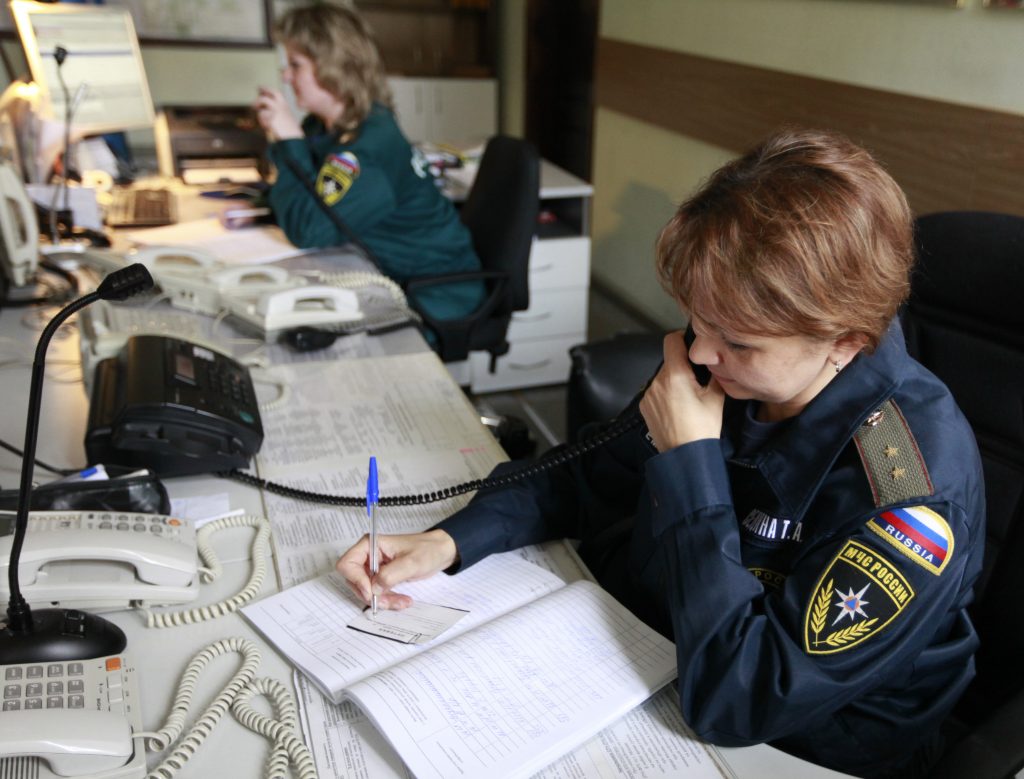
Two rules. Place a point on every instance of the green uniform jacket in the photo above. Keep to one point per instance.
(380, 187)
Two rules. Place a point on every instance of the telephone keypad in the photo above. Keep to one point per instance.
(157, 524)
(65, 684)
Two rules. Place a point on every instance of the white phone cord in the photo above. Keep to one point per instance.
(288, 746)
(258, 553)
(360, 279)
(287, 749)
(203, 726)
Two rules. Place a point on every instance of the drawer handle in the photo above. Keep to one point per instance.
(529, 366)
(542, 268)
(532, 318)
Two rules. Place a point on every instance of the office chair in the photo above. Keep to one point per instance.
(605, 375)
(965, 323)
(501, 214)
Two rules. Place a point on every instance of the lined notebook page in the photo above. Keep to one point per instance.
(511, 696)
(308, 622)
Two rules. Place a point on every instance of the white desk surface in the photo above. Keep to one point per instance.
(162, 654)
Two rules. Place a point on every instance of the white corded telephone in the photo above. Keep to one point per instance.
(82, 718)
(102, 561)
(19, 229)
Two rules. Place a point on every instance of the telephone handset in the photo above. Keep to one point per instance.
(103, 560)
(700, 372)
(19, 230)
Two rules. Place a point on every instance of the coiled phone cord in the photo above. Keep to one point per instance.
(258, 553)
(623, 424)
(288, 748)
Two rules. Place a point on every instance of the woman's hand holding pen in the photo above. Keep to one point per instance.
(274, 116)
(403, 558)
(675, 407)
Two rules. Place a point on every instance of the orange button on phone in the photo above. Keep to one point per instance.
(114, 664)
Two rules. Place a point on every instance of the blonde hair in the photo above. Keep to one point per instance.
(804, 235)
(341, 46)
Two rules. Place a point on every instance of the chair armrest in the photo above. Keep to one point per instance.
(995, 748)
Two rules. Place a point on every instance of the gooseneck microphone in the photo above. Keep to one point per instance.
(57, 634)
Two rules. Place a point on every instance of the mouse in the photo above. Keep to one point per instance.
(308, 339)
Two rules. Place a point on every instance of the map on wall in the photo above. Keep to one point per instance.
(199, 21)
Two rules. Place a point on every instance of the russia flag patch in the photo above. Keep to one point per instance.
(919, 533)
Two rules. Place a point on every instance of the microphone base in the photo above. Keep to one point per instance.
(61, 634)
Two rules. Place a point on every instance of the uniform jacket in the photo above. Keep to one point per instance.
(381, 188)
(804, 613)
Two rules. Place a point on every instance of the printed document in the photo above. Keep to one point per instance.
(534, 670)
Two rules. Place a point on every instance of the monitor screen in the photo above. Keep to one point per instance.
(103, 60)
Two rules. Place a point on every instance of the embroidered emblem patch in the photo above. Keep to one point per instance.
(858, 594)
(919, 533)
(336, 176)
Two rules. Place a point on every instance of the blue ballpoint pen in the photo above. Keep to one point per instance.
(371, 511)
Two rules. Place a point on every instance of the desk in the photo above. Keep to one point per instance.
(161, 654)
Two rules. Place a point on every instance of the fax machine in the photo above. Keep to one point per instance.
(207, 144)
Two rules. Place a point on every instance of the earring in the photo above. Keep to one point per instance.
(838, 364)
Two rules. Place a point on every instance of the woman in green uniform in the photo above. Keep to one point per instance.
(349, 153)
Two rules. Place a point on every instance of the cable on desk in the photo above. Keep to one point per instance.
(59, 471)
(202, 728)
(258, 553)
(552, 459)
(288, 747)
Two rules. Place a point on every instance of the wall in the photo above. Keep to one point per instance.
(642, 170)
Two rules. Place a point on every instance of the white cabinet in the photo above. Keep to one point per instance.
(446, 109)
(540, 337)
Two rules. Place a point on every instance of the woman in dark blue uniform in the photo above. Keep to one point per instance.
(351, 152)
(808, 527)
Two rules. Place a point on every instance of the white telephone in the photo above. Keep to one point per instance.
(313, 305)
(19, 229)
(71, 718)
(102, 560)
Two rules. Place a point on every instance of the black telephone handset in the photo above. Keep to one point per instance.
(701, 372)
(174, 407)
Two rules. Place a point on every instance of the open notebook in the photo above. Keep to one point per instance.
(535, 669)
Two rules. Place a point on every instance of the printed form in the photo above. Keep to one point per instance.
(406, 411)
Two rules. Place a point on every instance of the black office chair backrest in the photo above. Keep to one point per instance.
(501, 214)
(965, 322)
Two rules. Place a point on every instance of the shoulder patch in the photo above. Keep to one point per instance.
(892, 462)
(336, 176)
(859, 593)
(917, 532)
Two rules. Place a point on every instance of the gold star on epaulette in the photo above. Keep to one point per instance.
(898, 473)
(891, 451)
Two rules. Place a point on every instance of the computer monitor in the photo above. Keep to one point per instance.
(102, 53)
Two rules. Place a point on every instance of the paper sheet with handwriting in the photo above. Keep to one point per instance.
(516, 693)
(308, 622)
(406, 411)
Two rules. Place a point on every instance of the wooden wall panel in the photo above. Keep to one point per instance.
(945, 156)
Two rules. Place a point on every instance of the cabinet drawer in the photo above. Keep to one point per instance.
(527, 364)
(560, 262)
(551, 312)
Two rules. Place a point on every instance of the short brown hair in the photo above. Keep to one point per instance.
(344, 53)
(804, 235)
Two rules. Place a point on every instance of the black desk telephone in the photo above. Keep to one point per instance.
(174, 407)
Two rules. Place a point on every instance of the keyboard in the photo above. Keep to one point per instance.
(132, 207)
